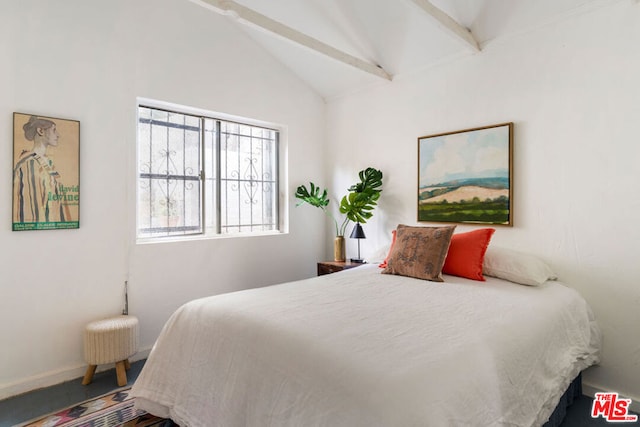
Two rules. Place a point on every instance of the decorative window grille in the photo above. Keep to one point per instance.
(202, 175)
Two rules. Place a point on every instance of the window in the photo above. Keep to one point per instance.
(203, 175)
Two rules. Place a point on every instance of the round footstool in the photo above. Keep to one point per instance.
(111, 340)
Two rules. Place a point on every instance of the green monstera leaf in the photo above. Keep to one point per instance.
(312, 196)
(370, 181)
(363, 196)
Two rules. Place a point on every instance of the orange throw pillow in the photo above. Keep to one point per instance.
(466, 254)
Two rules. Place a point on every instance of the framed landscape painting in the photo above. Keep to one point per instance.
(466, 176)
(46, 173)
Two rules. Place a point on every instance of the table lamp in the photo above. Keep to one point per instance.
(357, 233)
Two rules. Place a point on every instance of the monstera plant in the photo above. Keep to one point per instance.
(357, 205)
(363, 196)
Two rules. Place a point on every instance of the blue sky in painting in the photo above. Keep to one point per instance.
(481, 153)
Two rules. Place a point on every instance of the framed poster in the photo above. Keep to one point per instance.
(466, 176)
(46, 173)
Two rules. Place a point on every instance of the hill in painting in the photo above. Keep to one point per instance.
(479, 200)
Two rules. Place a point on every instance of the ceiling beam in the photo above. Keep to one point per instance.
(250, 16)
(449, 24)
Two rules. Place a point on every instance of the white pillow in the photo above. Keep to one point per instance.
(517, 267)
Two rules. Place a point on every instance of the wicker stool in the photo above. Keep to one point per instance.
(111, 340)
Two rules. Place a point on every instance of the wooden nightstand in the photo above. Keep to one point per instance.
(328, 267)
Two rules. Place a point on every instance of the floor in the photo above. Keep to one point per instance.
(34, 404)
(25, 407)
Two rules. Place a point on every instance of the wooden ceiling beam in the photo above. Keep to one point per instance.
(250, 16)
(449, 24)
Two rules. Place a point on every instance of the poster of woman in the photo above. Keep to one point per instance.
(46, 173)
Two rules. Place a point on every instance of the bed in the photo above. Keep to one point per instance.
(361, 348)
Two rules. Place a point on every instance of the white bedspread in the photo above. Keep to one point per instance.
(358, 348)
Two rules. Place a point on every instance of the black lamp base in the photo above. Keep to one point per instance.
(358, 260)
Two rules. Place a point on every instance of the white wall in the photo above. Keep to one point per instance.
(573, 92)
(88, 61)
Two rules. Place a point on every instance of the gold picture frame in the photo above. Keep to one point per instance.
(46, 173)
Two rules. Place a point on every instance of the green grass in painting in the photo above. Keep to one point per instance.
(490, 212)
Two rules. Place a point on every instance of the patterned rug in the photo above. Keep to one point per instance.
(111, 410)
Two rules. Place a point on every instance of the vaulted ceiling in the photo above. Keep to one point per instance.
(339, 46)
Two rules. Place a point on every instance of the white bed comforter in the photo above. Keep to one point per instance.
(359, 348)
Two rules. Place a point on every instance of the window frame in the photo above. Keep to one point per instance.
(214, 231)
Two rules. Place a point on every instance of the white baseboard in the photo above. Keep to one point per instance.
(50, 378)
(591, 390)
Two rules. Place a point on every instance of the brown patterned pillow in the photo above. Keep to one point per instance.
(419, 252)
